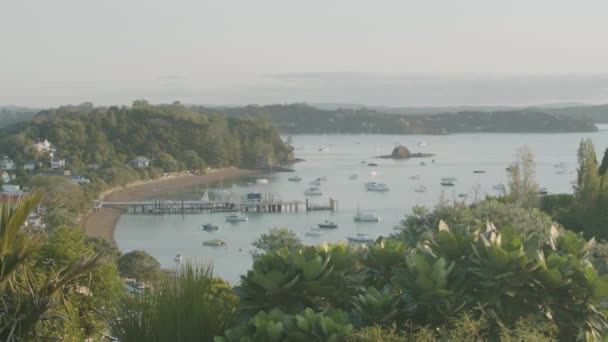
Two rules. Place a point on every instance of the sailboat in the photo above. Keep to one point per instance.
(360, 238)
(365, 217)
(220, 192)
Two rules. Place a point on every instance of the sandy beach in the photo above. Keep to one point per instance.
(102, 223)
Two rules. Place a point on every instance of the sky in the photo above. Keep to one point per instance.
(393, 53)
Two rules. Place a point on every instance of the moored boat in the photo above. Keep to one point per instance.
(421, 188)
(447, 183)
(327, 225)
(415, 177)
(295, 179)
(236, 217)
(479, 171)
(373, 186)
(360, 239)
(313, 192)
(214, 243)
(262, 181)
(210, 227)
(372, 164)
(366, 217)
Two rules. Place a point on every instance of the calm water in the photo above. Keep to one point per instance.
(455, 156)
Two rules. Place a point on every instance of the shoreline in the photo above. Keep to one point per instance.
(102, 223)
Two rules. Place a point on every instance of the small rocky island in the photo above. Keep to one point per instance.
(402, 152)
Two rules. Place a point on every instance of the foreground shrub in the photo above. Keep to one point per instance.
(192, 306)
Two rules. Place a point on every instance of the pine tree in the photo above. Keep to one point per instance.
(604, 164)
(588, 184)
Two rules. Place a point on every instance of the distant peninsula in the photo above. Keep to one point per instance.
(306, 119)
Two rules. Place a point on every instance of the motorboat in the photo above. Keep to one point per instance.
(380, 187)
(479, 171)
(372, 164)
(415, 177)
(214, 243)
(462, 194)
(262, 181)
(448, 179)
(327, 225)
(324, 149)
(236, 217)
(295, 179)
(360, 239)
(422, 144)
(447, 183)
(366, 217)
(421, 188)
(313, 192)
(209, 227)
(353, 176)
(317, 182)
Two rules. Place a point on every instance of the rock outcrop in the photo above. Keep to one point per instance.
(402, 152)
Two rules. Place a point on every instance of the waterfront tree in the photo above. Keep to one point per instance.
(523, 189)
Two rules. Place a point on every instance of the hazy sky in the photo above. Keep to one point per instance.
(236, 52)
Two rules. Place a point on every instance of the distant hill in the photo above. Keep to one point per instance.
(12, 114)
(303, 118)
(597, 113)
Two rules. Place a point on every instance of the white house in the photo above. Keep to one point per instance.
(6, 163)
(140, 162)
(6, 178)
(44, 146)
(9, 189)
(57, 163)
(31, 165)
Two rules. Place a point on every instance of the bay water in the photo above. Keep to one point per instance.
(340, 157)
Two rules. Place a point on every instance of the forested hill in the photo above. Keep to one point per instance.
(11, 114)
(171, 136)
(302, 118)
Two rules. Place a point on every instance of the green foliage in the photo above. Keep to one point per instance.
(192, 306)
(34, 299)
(292, 280)
(139, 265)
(523, 190)
(308, 325)
(277, 238)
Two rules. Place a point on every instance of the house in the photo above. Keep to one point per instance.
(57, 163)
(11, 190)
(6, 178)
(79, 179)
(44, 146)
(94, 166)
(6, 163)
(140, 162)
(31, 165)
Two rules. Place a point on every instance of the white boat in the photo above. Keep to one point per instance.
(262, 181)
(313, 192)
(236, 217)
(366, 217)
(447, 183)
(422, 144)
(324, 149)
(448, 179)
(380, 187)
(421, 188)
(295, 179)
(360, 239)
(327, 225)
(353, 176)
